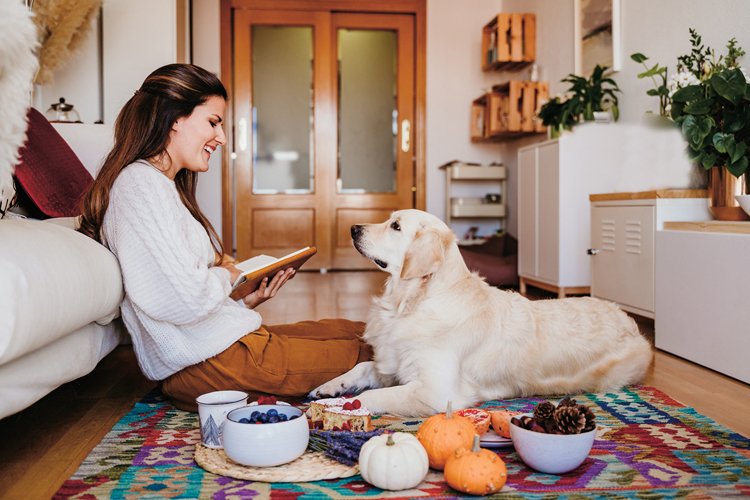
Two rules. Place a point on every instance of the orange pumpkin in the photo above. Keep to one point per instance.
(475, 471)
(501, 421)
(444, 433)
(480, 418)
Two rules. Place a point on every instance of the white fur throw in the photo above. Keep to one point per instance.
(18, 64)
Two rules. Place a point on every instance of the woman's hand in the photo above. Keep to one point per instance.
(267, 290)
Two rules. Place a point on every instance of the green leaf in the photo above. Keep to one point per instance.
(655, 70)
(700, 107)
(689, 93)
(677, 110)
(738, 168)
(696, 128)
(729, 84)
(615, 112)
(722, 142)
(739, 151)
(736, 120)
(652, 92)
(708, 160)
(638, 57)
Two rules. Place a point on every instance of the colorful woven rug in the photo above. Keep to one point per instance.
(649, 446)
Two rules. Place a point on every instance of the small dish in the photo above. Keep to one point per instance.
(492, 439)
(552, 453)
(267, 444)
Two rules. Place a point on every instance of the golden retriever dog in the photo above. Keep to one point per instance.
(440, 333)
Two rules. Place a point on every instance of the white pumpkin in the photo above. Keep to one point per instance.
(395, 461)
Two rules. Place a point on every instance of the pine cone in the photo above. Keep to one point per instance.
(567, 401)
(569, 419)
(543, 416)
(543, 411)
(590, 418)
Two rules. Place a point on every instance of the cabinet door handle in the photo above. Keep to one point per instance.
(592, 251)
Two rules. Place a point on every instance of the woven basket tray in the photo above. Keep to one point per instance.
(312, 466)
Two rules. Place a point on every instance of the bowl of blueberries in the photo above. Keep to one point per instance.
(265, 434)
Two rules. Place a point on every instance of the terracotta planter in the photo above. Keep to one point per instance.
(722, 188)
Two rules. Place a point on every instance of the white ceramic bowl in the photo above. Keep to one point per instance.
(551, 453)
(744, 201)
(265, 445)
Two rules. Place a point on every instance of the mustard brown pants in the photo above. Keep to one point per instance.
(283, 360)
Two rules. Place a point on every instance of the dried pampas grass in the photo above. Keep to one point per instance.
(63, 25)
(18, 63)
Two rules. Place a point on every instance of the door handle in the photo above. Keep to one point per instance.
(242, 132)
(592, 251)
(405, 136)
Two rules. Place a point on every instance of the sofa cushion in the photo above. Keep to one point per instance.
(49, 172)
(54, 281)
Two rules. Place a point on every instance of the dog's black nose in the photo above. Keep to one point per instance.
(356, 231)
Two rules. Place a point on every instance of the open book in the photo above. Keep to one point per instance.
(260, 266)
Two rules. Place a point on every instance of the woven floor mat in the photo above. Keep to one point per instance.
(311, 466)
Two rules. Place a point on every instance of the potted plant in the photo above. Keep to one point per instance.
(709, 99)
(585, 97)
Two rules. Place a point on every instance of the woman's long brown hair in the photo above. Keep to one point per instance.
(142, 131)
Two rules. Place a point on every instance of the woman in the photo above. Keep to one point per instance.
(186, 331)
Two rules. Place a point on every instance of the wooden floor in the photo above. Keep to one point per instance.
(43, 445)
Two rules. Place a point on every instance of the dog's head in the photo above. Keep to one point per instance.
(410, 244)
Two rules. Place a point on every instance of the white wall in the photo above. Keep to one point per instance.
(659, 29)
(454, 79)
(207, 54)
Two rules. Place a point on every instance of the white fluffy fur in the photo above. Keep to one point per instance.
(440, 333)
(18, 64)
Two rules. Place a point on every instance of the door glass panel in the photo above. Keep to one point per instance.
(282, 109)
(368, 117)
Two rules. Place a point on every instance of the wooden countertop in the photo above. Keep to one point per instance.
(650, 195)
(710, 226)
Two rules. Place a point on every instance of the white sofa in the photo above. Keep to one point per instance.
(60, 293)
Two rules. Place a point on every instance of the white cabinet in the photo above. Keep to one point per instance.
(702, 281)
(473, 207)
(555, 179)
(622, 242)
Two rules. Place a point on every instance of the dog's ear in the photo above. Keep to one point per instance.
(425, 254)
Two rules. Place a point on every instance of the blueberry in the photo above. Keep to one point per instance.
(244, 421)
(255, 414)
(272, 411)
(293, 417)
(273, 419)
(263, 418)
(283, 417)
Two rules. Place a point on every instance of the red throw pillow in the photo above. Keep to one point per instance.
(49, 171)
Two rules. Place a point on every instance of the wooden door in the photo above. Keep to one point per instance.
(304, 171)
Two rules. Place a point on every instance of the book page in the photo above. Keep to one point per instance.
(253, 263)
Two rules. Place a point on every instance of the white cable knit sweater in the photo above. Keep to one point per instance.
(177, 306)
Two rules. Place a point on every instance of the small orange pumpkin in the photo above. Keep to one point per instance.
(475, 471)
(444, 433)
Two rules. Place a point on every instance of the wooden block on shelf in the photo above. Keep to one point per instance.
(509, 42)
(478, 118)
(512, 107)
(541, 97)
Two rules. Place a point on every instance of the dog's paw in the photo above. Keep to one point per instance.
(331, 389)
